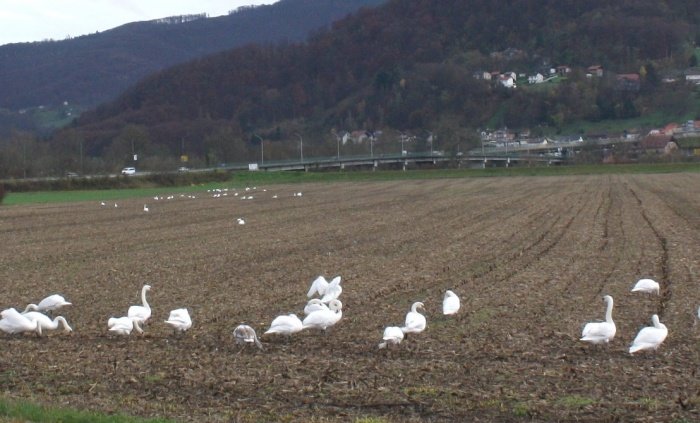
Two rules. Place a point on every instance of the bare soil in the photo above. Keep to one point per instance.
(530, 258)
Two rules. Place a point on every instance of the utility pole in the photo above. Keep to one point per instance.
(301, 147)
(262, 151)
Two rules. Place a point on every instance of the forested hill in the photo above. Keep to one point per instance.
(91, 69)
(408, 65)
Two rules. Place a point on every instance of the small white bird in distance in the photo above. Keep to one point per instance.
(392, 335)
(650, 337)
(646, 285)
(145, 207)
(245, 335)
(240, 221)
(450, 303)
(179, 320)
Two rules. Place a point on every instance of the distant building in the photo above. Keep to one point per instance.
(628, 82)
(537, 78)
(595, 70)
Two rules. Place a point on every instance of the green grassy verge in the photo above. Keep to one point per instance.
(22, 411)
(243, 179)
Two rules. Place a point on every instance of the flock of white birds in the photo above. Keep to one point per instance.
(320, 313)
(648, 338)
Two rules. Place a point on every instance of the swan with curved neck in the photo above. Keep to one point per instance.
(50, 303)
(143, 312)
(601, 332)
(650, 337)
(13, 322)
(415, 322)
(46, 322)
(323, 319)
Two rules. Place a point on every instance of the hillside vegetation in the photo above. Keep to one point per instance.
(405, 68)
(91, 69)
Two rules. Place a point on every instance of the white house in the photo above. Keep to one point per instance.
(507, 81)
(535, 79)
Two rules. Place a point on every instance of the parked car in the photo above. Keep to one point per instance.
(129, 171)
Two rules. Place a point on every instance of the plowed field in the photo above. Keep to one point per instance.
(530, 258)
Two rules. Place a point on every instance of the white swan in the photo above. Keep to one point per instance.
(143, 312)
(333, 291)
(179, 320)
(50, 303)
(314, 304)
(145, 207)
(123, 325)
(646, 285)
(601, 332)
(244, 334)
(13, 322)
(319, 285)
(285, 325)
(46, 322)
(450, 303)
(241, 221)
(650, 337)
(323, 319)
(392, 335)
(415, 322)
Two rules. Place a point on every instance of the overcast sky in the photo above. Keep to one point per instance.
(37, 20)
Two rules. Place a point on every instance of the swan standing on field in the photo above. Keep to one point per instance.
(285, 325)
(143, 312)
(245, 335)
(601, 332)
(392, 335)
(13, 322)
(323, 319)
(415, 322)
(314, 304)
(50, 303)
(450, 303)
(650, 337)
(46, 322)
(179, 320)
(123, 325)
(646, 285)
